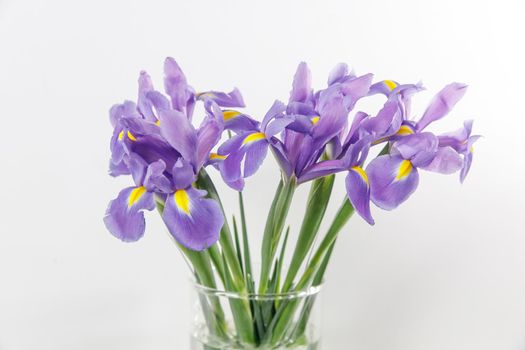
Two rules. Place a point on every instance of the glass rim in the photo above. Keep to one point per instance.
(298, 294)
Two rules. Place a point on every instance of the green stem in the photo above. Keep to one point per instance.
(282, 323)
(274, 227)
(200, 262)
(225, 240)
(318, 200)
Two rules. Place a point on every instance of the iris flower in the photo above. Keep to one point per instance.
(307, 124)
(155, 141)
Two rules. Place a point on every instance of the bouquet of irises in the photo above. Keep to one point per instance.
(314, 136)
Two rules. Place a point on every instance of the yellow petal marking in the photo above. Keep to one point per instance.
(256, 136)
(361, 172)
(135, 195)
(182, 200)
(216, 156)
(471, 149)
(121, 135)
(229, 114)
(390, 84)
(404, 170)
(131, 137)
(404, 130)
(315, 120)
(157, 123)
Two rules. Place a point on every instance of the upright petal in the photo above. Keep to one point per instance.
(124, 217)
(183, 174)
(338, 73)
(392, 180)
(442, 104)
(194, 221)
(176, 86)
(155, 180)
(178, 131)
(332, 121)
(358, 190)
(301, 87)
(208, 136)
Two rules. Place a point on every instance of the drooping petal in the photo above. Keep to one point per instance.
(178, 131)
(467, 162)
(232, 144)
(321, 169)
(354, 89)
(386, 122)
(419, 148)
(118, 169)
(358, 190)
(446, 161)
(194, 221)
(392, 180)
(124, 217)
(276, 110)
(118, 150)
(231, 99)
(238, 122)
(301, 87)
(384, 87)
(231, 168)
(442, 104)
(277, 125)
(255, 154)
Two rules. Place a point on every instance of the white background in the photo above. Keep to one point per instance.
(444, 271)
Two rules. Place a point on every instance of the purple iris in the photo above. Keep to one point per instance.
(156, 143)
(311, 136)
(306, 125)
(394, 177)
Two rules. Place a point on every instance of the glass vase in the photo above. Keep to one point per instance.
(240, 321)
